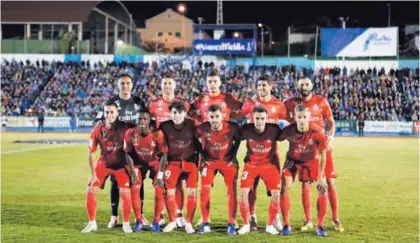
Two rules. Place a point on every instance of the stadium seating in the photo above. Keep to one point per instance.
(71, 88)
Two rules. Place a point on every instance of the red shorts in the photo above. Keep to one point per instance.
(269, 173)
(307, 171)
(175, 170)
(152, 168)
(230, 173)
(102, 173)
(329, 166)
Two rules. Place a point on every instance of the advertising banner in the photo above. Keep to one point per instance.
(224, 47)
(84, 123)
(20, 121)
(416, 127)
(359, 42)
(388, 126)
(345, 128)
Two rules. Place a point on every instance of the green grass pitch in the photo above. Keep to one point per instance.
(43, 196)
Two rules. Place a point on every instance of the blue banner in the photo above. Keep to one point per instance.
(73, 58)
(224, 46)
(128, 58)
(333, 40)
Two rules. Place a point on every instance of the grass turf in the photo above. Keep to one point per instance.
(43, 195)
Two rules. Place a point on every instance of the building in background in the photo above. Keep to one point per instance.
(170, 28)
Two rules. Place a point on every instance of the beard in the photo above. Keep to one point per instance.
(305, 93)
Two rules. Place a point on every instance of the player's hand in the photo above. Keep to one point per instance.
(92, 180)
(330, 142)
(160, 183)
(322, 185)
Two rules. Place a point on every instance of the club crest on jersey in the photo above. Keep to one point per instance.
(310, 141)
(223, 105)
(118, 104)
(206, 98)
(135, 138)
(208, 135)
(153, 144)
(273, 109)
(160, 103)
(104, 135)
(136, 107)
(315, 107)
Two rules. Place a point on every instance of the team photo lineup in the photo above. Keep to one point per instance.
(210, 121)
(180, 144)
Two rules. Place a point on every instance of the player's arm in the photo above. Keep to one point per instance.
(234, 105)
(93, 143)
(163, 161)
(236, 143)
(322, 146)
(327, 113)
(199, 147)
(290, 118)
(128, 147)
(245, 110)
(283, 133)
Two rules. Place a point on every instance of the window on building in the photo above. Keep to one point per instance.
(160, 33)
(178, 34)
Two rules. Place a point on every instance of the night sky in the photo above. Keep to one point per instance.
(280, 15)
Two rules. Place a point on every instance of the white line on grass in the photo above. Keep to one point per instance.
(32, 149)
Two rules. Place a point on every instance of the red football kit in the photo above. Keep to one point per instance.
(159, 109)
(320, 111)
(219, 149)
(275, 109)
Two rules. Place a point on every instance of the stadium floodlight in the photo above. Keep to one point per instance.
(260, 25)
(182, 8)
(236, 34)
(120, 43)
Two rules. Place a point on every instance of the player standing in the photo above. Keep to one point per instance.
(262, 161)
(150, 147)
(228, 104)
(182, 160)
(320, 111)
(159, 108)
(307, 148)
(110, 138)
(220, 141)
(276, 111)
(128, 108)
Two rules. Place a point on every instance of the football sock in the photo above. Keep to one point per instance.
(244, 208)
(142, 195)
(180, 198)
(285, 208)
(126, 204)
(252, 199)
(136, 202)
(171, 206)
(322, 208)
(273, 210)
(91, 205)
(232, 203)
(191, 205)
(332, 193)
(159, 204)
(205, 203)
(306, 201)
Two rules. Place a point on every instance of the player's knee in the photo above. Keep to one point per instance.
(275, 195)
(306, 186)
(331, 182)
(170, 192)
(192, 191)
(124, 190)
(244, 194)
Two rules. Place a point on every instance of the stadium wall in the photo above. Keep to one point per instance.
(300, 62)
(343, 128)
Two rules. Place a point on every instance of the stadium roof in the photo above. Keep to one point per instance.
(46, 11)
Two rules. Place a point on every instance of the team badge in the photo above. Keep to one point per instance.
(310, 141)
(136, 107)
(153, 144)
(273, 109)
(104, 135)
(118, 104)
(223, 105)
(160, 103)
(206, 98)
(315, 107)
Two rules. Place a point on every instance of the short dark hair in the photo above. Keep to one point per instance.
(178, 105)
(214, 108)
(168, 75)
(259, 109)
(144, 110)
(213, 73)
(300, 108)
(125, 75)
(265, 78)
(111, 103)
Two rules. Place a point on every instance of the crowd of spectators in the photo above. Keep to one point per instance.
(68, 89)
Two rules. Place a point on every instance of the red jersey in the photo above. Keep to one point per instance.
(146, 147)
(318, 106)
(304, 146)
(261, 148)
(111, 143)
(218, 145)
(159, 109)
(226, 101)
(275, 109)
(182, 144)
